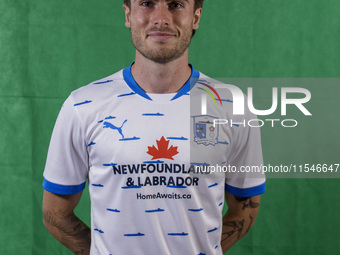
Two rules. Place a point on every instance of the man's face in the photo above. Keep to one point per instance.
(161, 30)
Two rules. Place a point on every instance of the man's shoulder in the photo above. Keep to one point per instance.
(203, 78)
(98, 88)
(216, 84)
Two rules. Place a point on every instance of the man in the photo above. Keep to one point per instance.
(129, 135)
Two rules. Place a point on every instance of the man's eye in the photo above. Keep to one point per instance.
(175, 5)
(146, 4)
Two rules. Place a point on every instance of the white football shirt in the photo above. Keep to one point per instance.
(137, 150)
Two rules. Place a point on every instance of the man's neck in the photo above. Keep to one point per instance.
(161, 78)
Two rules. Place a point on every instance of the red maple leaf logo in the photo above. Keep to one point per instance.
(163, 151)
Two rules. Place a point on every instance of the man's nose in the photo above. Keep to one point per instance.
(161, 15)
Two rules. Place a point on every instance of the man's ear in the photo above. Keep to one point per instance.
(127, 16)
(197, 17)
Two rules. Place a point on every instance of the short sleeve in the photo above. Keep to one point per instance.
(66, 168)
(246, 159)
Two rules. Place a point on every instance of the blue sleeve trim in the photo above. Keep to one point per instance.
(248, 192)
(62, 189)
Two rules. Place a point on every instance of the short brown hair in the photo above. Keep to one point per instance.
(198, 4)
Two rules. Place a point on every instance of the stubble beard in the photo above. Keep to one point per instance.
(165, 54)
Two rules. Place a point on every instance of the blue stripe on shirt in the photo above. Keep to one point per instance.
(247, 192)
(62, 189)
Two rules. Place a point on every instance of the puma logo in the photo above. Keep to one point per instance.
(119, 129)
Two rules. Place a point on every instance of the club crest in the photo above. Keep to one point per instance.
(204, 130)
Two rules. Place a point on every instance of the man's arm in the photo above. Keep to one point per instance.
(63, 224)
(239, 218)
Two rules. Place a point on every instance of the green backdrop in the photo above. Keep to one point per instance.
(49, 48)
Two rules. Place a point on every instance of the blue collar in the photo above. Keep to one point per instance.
(130, 81)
